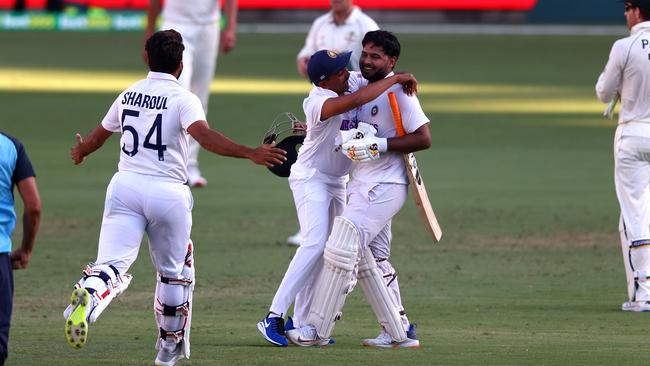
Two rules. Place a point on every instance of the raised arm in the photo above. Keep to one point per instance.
(86, 146)
(344, 103)
(218, 143)
(31, 222)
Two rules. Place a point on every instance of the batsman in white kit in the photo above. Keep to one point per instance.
(199, 23)
(627, 77)
(318, 179)
(359, 245)
(149, 193)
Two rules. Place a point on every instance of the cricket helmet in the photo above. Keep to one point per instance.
(288, 133)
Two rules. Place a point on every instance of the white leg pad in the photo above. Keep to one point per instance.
(629, 273)
(173, 307)
(374, 287)
(640, 261)
(337, 278)
(104, 283)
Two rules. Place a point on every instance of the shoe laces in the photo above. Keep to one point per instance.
(277, 324)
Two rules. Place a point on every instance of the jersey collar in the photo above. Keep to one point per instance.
(643, 26)
(353, 14)
(161, 76)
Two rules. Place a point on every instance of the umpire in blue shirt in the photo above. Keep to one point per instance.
(15, 170)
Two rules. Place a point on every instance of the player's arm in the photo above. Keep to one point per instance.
(87, 145)
(153, 10)
(31, 222)
(419, 139)
(218, 143)
(610, 80)
(229, 34)
(344, 103)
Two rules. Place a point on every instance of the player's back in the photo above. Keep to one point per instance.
(153, 116)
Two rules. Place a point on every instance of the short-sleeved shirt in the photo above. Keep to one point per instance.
(389, 168)
(14, 167)
(191, 11)
(318, 151)
(153, 116)
(325, 34)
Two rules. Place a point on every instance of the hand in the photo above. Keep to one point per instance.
(228, 40)
(268, 155)
(365, 149)
(19, 258)
(408, 81)
(77, 152)
(362, 130)
(301, 65)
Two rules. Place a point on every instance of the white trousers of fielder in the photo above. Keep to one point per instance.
(318, 198)
(201, 43)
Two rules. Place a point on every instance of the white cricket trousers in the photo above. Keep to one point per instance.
(201, 43)
(318, 200)
(632, 179)
(136, 204)
(371, 207)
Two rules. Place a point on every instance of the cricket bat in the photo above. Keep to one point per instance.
(415, 179)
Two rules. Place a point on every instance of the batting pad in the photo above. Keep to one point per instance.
(104, 283)
(374, 287)
(336, 279)
(173, 306)
(629, 273)
(640, 259)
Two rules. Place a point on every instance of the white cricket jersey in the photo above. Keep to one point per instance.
(319, 150)
(153, 116)
(325, 34)
(389, 168)
(628, 73)
(191, 11)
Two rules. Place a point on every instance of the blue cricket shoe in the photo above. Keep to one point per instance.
(273, 330)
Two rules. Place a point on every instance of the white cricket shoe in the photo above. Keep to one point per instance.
(295, 239)
(636, 306)
(384, 340)
(305, 337)
(169, 354)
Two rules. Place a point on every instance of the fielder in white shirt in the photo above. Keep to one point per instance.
(627, 75)
(149, 193)
(340, 30)
(198, 21)
(377, 191)
(318, 179)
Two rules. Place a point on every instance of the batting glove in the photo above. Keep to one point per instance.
(365, 149)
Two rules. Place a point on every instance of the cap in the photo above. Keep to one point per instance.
(325, 63)
(642, 4)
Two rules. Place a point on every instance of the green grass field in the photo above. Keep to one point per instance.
(520, 174)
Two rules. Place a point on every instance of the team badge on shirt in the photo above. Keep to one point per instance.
(374, 110)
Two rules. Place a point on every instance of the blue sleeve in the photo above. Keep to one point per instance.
(23, 167)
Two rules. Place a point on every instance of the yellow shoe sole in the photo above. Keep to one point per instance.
(76, 326)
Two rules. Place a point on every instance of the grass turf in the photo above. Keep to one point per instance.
(520, 175)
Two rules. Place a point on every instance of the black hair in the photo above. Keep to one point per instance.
(384, 39)
(165, 51)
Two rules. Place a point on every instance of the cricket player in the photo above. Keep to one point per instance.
(149, 193)
(360, 240)
(339, 30)
(15, 171)
(198, 21)
(627, 76)
(318, 177)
